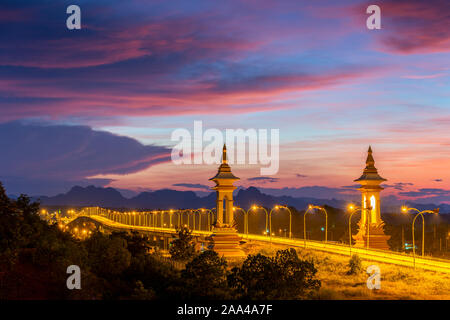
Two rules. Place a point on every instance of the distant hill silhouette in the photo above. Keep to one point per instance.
(174, 199)
(88, 196)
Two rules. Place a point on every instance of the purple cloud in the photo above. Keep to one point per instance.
(263, 179)
(426, 192)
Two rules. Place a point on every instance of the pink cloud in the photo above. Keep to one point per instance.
(415, 26)
(96, 46)
(168, 97)
(425, 76)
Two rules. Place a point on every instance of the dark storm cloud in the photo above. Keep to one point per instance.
(63, 155)
(193, 186)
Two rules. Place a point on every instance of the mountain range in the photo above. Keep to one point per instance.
(174, 199)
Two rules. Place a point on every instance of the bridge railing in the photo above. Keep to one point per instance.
(196, 219)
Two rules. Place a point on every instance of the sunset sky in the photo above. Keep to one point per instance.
(141, 69)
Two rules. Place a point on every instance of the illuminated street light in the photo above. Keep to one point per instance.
(209, 214)
(170, 218)
(290, 217)
(353, 209)
(419, 213)
(255, 207)
(321, 208)
(304, 224)
(311, 207)
(245, 218)
(193, 211)
(270, 222)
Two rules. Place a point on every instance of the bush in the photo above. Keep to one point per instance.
(206, 277)
(284, 276)
(141, 293)
(108, 256)
(354, 265)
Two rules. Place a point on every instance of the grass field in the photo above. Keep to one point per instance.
(397, 282)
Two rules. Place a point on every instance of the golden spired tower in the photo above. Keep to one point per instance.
(371, 226)
(225, 239)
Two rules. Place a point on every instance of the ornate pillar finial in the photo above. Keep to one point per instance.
(224, 154)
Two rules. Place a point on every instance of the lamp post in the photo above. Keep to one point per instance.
(170, 218)
(304, 224)
(153, 218)
(270, 222)
(353, 210)
(178, 218)
(290, 218)
(182, 214)
(254, 208)
(245, 218)
(321, 208)
(156, 218)
(209, 213)
(419, 213)
(192, 213)
(189, 211)
(199, 212)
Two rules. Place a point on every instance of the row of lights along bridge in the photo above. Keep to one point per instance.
(150, 219)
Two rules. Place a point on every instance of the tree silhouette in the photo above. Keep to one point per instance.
(206, 277)
(284, 276)
(183, 248)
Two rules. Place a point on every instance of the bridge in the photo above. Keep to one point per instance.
(219, 223)
(147, 222)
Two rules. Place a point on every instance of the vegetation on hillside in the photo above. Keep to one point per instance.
(34, 257)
